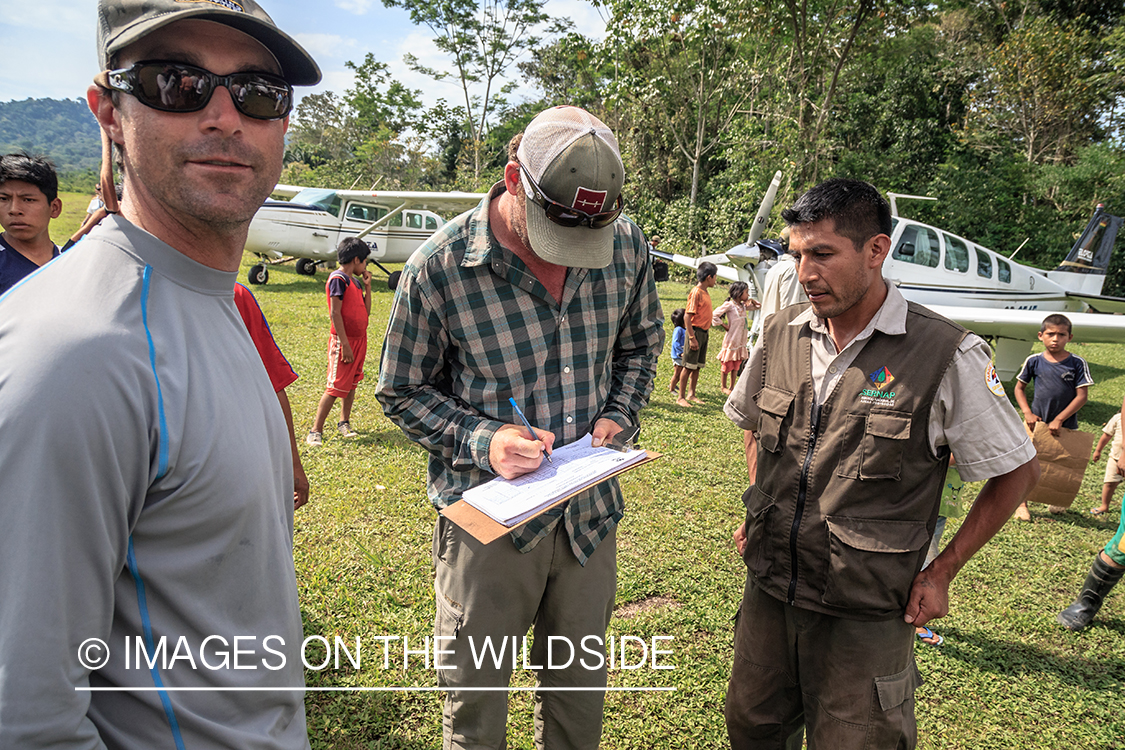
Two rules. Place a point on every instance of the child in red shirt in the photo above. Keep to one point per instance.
(349, 305)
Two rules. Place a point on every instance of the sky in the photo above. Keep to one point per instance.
(49, 45)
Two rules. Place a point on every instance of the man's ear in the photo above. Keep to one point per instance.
(878, 246)
(512, 178)
(101, 104)
(56, 208)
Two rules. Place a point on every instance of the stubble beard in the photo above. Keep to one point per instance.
(517, 221)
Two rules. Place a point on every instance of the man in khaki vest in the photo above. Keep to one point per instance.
(856, 402)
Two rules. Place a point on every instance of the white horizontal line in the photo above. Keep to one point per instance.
(366, 689)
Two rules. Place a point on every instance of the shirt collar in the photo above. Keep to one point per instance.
(482, 242)
(890, 318)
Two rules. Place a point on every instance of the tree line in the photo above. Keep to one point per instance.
(1009, 113)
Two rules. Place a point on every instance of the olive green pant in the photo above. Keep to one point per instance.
(494, 590)
(849, 682)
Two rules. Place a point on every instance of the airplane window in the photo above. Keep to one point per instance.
(431, 223)
(1003, 271)
(365, 213)
(984, 264)
(395, 221)
(956, 254)
(917, 245)
(414, 221)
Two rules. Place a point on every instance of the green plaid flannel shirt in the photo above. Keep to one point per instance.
(471, 326)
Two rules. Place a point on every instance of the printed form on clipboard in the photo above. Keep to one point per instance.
(576, 466)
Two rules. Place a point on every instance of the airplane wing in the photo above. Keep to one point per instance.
(729, 273)
(1014, 331)
(1094, 328)
(1099, 303)
(286, 191)
(446, 204)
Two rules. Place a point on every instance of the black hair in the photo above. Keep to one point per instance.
(705, 270)
(856, 207)
(351, 248)
(736, 290)
(35, 170)
(678, 317)
(1057, 320)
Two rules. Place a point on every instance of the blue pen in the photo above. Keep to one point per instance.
(527, 424)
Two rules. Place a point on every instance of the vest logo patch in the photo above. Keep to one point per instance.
(992, 380)
(881, 378)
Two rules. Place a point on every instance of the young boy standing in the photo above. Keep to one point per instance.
(1061, 380)
(697, 324)
(349, 305)
(29, 199)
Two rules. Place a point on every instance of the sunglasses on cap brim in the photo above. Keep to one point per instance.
(567, 216)
(178, 87)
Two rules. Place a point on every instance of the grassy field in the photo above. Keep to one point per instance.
(1007, 676)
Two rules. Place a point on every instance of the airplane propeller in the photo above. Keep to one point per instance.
(759, 225)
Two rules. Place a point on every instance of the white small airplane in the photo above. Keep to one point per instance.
(310, 225)
(993, 296)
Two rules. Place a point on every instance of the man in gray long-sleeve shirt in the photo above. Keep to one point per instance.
(145, 472)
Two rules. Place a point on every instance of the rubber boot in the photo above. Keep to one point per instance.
(1100, 581)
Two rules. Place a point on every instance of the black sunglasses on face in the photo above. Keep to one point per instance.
(566, 216)
(178, 87)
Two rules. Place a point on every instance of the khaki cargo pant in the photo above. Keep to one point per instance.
(851, 683)
(495, 590)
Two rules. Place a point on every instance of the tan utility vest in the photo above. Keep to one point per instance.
(846, 499)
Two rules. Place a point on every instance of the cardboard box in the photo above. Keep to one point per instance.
(1062, 461)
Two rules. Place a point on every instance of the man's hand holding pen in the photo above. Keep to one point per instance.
(512, 453)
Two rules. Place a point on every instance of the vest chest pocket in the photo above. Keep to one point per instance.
(773, 404)
(872, 563)
(873, 445)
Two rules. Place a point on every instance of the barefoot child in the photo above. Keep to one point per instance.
(1111, 431)
(697, 327)
(734, 351)
(679, 336)
(1062, 381)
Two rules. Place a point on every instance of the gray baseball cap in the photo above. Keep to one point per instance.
(575, 160)
(122, 22)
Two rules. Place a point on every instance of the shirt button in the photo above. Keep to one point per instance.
(832, 368)
(566, 370)
(570, 420)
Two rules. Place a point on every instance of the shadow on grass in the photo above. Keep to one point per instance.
(1079, 518)
(355, 719)
(395, 438)
(1014, 658)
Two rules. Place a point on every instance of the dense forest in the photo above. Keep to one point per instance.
(62, 129)
(1010, 112)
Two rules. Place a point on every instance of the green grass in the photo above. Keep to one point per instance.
(73, 214)
(1007, 676)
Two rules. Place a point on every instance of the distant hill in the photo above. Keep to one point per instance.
(62, 129)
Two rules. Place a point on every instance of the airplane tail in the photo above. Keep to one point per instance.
(1084, 268)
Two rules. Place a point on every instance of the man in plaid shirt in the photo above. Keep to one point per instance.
(543, 293)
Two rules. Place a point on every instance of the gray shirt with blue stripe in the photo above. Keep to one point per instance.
(145, 499)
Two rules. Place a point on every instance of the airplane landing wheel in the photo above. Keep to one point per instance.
(306, 266)
(258, 274)
(392, 279)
